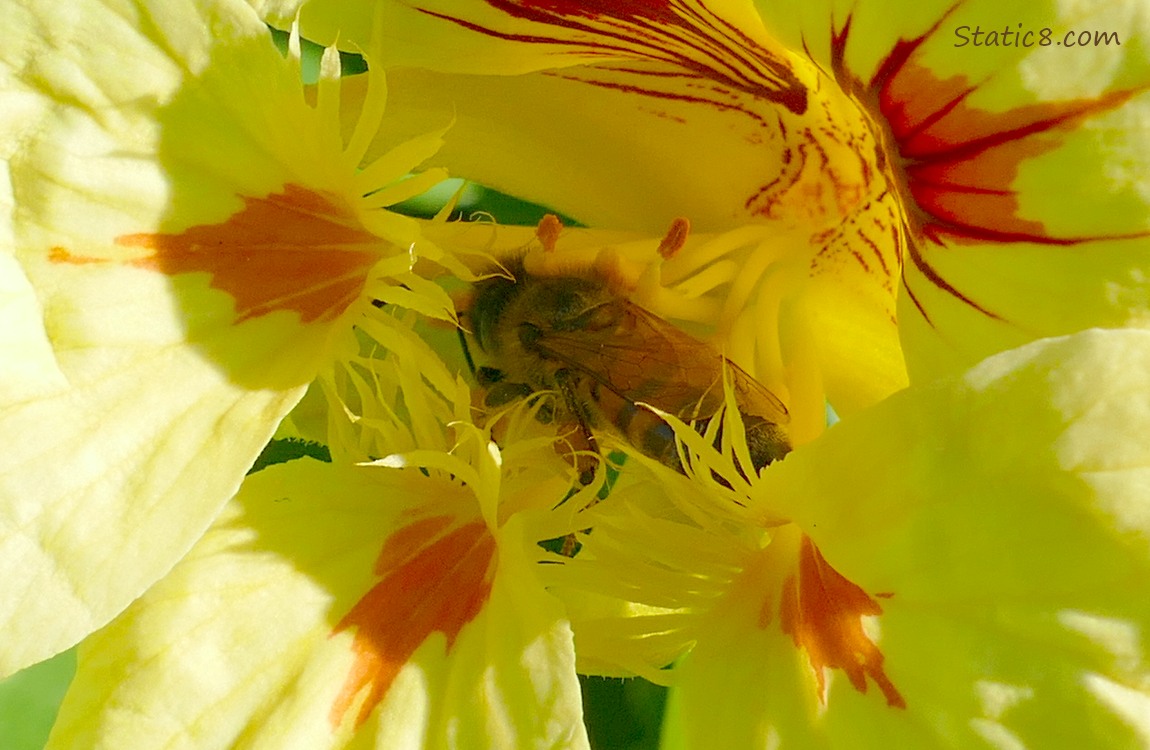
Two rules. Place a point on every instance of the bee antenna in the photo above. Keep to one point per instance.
(466, 352)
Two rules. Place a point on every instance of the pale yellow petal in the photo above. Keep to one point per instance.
(258, 638)
(183, 247)
(989, 538)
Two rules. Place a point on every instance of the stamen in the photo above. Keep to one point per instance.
(548, 231)
(675, 238)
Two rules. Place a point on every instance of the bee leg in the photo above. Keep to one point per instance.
(566, 383)
(567, 545)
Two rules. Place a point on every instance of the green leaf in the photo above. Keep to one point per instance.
(30, 699)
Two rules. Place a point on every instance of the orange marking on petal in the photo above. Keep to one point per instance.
(408, 541)
(961, 162)
(62, 255)
(434, 578)
(822, 612)
(297, 250)
(956, 164)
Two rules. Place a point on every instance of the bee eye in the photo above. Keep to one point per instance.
(599, 318)
(529, 333)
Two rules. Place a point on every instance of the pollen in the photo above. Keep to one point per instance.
(548, 232)
(675, 238)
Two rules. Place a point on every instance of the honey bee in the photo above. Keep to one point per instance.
(605, 356)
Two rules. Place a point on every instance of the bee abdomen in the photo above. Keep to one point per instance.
(767, 442)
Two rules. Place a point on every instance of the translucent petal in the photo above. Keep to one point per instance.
(244, 645)
(179, 250)
(1000, 523)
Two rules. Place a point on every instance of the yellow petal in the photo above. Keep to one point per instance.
(273, 630)
(998, 524)
(438, 34)
(26, 364)
(637, 116)
(1021, 178)
(182, 250)
(957, 158)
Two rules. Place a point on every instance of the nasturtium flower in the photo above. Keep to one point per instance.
(1000, 190)
(189, 234)
(393, 602)
(196, 239)
(961, 563)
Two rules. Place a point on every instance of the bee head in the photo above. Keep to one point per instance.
(549, 303)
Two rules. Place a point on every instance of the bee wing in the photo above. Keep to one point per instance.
(644, 358)
(756, 399)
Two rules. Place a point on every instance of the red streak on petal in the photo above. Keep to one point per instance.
(683, 33)
(822, 612)
(297, 250)
(655, 9)
(434, 578)
(959, 162)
